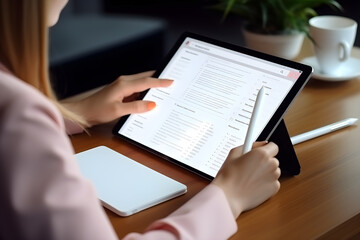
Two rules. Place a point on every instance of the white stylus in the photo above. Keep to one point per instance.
(323, 130)
(255, 115)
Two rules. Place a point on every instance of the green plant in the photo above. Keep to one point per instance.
(275, 16)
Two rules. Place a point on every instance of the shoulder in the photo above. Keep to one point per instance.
(13, 89)
(18, 98)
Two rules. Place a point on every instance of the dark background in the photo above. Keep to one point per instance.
(198, 16)
(101, 65)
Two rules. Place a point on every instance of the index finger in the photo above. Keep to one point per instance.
(142, 84)
(138, 75)
(270, 148)
(239, 150)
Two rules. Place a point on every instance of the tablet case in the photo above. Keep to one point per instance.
(124, 185)
(289, 163)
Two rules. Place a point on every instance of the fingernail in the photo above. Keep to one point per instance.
(151, 105)
(170, 80)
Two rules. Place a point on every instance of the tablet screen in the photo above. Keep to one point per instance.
(206, 111)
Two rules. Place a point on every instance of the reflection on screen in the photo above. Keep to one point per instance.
(206, 112)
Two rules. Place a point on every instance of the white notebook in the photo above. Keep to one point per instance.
(124, 185)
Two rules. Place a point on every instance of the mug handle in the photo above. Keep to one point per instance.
(344, 46)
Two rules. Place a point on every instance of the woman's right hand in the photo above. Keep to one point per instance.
(248, 180)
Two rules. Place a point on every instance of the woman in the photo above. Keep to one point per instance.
(44, 195)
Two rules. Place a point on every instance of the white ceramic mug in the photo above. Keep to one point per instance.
(334, 38)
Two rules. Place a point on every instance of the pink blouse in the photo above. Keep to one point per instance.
(44, 195)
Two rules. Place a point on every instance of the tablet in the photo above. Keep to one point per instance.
(206, 111)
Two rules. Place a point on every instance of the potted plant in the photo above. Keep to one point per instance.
(276, 27)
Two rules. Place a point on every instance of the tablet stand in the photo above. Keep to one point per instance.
(289, 163)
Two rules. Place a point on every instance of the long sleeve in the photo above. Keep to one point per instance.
(72, 128)
(206, 216)
(44, 195)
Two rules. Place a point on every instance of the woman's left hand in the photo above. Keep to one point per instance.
(115, 100)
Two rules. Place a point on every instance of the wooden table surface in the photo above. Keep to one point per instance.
(323, 201)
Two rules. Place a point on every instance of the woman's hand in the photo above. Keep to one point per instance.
(249, 180)
(116, 99)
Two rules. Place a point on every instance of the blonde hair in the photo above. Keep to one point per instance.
(24, 46)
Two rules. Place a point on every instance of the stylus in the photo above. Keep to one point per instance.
(323, 130)
(255, 115)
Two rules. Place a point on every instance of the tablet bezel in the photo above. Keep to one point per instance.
(274, 121)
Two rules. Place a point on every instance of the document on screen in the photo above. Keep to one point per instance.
(206, 111)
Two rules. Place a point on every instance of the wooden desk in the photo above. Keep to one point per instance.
(322, 202)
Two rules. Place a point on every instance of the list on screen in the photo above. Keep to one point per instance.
(206, 111)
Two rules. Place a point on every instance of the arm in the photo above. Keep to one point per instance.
(43, 193)
(243, 183)
(45, 196)
(206, 216)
